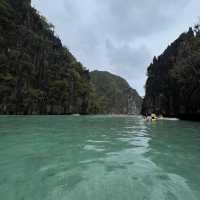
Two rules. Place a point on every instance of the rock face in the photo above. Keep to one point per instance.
(173, 85)
(37, 74)
(114, 95)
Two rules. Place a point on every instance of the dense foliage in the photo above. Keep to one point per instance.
(37, 74)
(114, 95)
(173, 85)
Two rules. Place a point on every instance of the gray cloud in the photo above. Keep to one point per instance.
(127, 59)
(120, 36)
(129, 19)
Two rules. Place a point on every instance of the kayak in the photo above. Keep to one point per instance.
(168, 119)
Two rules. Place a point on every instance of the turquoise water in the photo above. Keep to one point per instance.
(98, 158)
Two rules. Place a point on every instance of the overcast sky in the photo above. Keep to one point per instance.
(120, 36)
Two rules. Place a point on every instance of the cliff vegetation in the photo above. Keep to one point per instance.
(38, 75)
(173, 85)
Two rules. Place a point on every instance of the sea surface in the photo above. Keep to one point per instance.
(98, 158)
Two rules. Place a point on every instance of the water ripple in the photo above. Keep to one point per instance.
(98, 158)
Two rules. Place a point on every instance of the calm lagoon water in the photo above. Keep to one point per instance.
(98, 158)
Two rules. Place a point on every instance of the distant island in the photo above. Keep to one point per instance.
(173, 85)
(38, 75)
(114, 95)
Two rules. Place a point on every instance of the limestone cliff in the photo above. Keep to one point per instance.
(173, 85)
(38, 75)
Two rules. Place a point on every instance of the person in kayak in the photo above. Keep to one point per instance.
(154, 117)
(151, 117)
